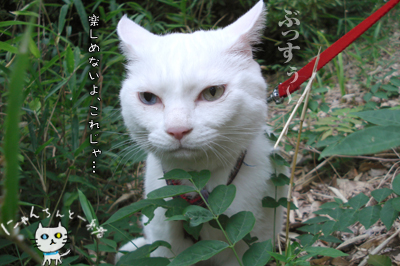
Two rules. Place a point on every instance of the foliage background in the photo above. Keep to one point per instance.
(54, 156)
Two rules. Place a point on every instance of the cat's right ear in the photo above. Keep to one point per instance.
(40, 225)
(133, 37)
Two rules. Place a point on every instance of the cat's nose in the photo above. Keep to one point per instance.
(179, 132)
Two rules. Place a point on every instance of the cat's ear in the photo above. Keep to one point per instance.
(247, 30)
(40, 225)
(133, 37)
(59, 224)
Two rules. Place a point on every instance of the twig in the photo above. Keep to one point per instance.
(338, 194)
(380, 247)
(356, 156)
(303, 180)
(306, 94)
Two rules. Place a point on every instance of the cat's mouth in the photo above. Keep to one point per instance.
(52, 242)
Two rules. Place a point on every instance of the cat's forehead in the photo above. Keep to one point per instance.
(183, 60)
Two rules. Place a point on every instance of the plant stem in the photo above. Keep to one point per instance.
(232, 246)
(274, 235)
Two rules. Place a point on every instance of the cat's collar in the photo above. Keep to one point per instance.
(197, 200)
(50, 253)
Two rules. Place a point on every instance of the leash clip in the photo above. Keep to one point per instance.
(274, 96)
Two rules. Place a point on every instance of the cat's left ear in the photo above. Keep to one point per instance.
(59, 224)
(247, 30)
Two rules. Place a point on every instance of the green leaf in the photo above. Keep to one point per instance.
(33, 48)
(396, 185)
(379, 260)
(278, 160)
(324, 107)
(280, 180)
(367, 141)
(381, 194)
(388, 87)
(61, 18)
(12, 131)
(201, 178)
(315, 220)
(334, 213)
(329, 252)
(69, 56)
(193, 230)
(375, 87)
(330, 238)
(175, 206)
(307, 239)
(148, 211)
(200, 251)
(170, 191)
(328, 227)
(277, 256)
(80, 8)
(142, 252)
(381, 95)
(131, 209)
(369, 215)
(221, 198)
(329, 205)
(396, 204)
(223, 220)
(269, 202)
(283, 202)
(358, 201)
(43, 145)
(240, 225)
(87, 208)
(197, 215)
(388, 214)
(395, 81)
(383, 117)
(7, 259)
(177, 218)
(155, 261)
(9, 48)
(177, 174)
(257, 254)
(312, 228)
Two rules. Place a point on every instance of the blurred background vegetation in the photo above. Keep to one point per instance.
(51, 112)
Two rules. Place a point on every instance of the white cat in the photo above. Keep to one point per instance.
(198, 101)
(50, 240)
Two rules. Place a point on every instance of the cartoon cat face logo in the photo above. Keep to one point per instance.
(50, 240)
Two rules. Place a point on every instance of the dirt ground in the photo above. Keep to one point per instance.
(313, 186)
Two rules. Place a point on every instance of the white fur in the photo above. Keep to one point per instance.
(177, 68)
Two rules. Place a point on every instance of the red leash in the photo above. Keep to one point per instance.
(291, 85)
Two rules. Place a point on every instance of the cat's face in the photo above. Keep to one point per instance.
(197, 96)
(50, 239)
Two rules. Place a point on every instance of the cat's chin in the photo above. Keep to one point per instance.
(184, 153)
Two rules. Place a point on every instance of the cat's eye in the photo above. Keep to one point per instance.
(44, 236)
(213, 93)
(58, 235)
(148, 98)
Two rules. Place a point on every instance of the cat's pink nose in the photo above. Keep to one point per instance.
(178, 132)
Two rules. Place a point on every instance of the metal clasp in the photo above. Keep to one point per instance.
(274, 96)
